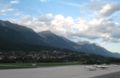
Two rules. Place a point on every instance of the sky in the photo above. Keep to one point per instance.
(96, 21)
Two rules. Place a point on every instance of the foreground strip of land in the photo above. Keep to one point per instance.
(34, 65)
(71, 71)
(110, 75)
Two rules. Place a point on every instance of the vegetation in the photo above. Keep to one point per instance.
(46, 56)
(49, 57)
(34, 65)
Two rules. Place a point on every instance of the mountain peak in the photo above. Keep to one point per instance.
(5, 21)
(47, 32)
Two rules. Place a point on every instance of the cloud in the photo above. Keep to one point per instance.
(44, 1)
(116, 33)
(14, 2)
(5, 9)
(109, 9)
(38, 24)
(97, 28)
(71, 4)
(104, 8)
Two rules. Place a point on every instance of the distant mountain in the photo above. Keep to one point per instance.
(61, 42)
(95, 49)
(57, 41)
(17, 37)
(116, 55)
(13, 36)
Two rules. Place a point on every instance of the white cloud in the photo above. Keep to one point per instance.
(5, 9)
(97, 28)
(44, 1)
(14, 2)
(109, 9)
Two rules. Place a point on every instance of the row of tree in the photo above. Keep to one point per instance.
(53, 55)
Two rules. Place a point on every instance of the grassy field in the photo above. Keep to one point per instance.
(33, 65)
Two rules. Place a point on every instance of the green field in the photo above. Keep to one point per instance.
(33, 65)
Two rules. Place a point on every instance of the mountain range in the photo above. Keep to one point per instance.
(17, 37)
